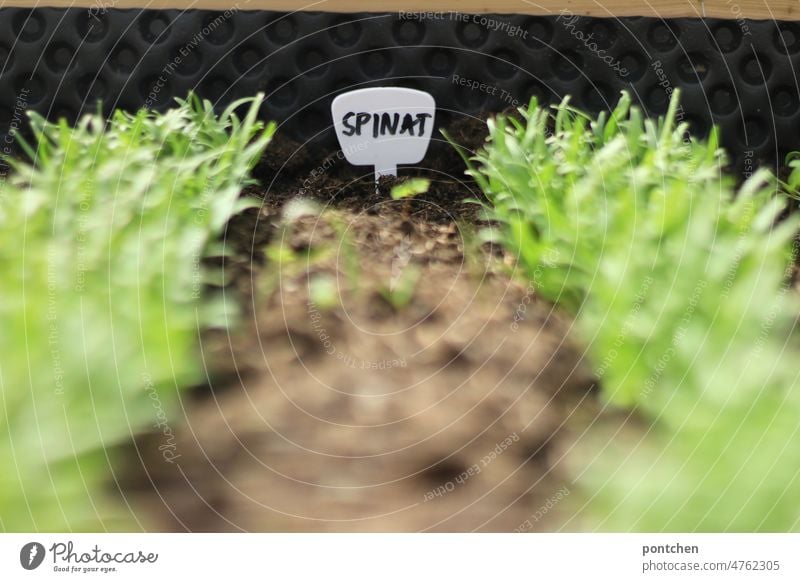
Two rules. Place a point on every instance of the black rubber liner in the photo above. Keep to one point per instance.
(739, 74)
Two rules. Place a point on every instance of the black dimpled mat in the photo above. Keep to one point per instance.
(741, 75)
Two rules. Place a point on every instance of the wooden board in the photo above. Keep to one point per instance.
(733, 9)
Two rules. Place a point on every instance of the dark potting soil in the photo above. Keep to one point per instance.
(391, 372)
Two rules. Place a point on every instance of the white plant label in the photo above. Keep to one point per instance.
(384, 127)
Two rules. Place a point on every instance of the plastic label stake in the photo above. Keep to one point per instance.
(384, 126)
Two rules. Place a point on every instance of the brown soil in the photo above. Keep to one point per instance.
(365, 410)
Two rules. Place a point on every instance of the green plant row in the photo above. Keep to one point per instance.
(679, 285)
(102, 233)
